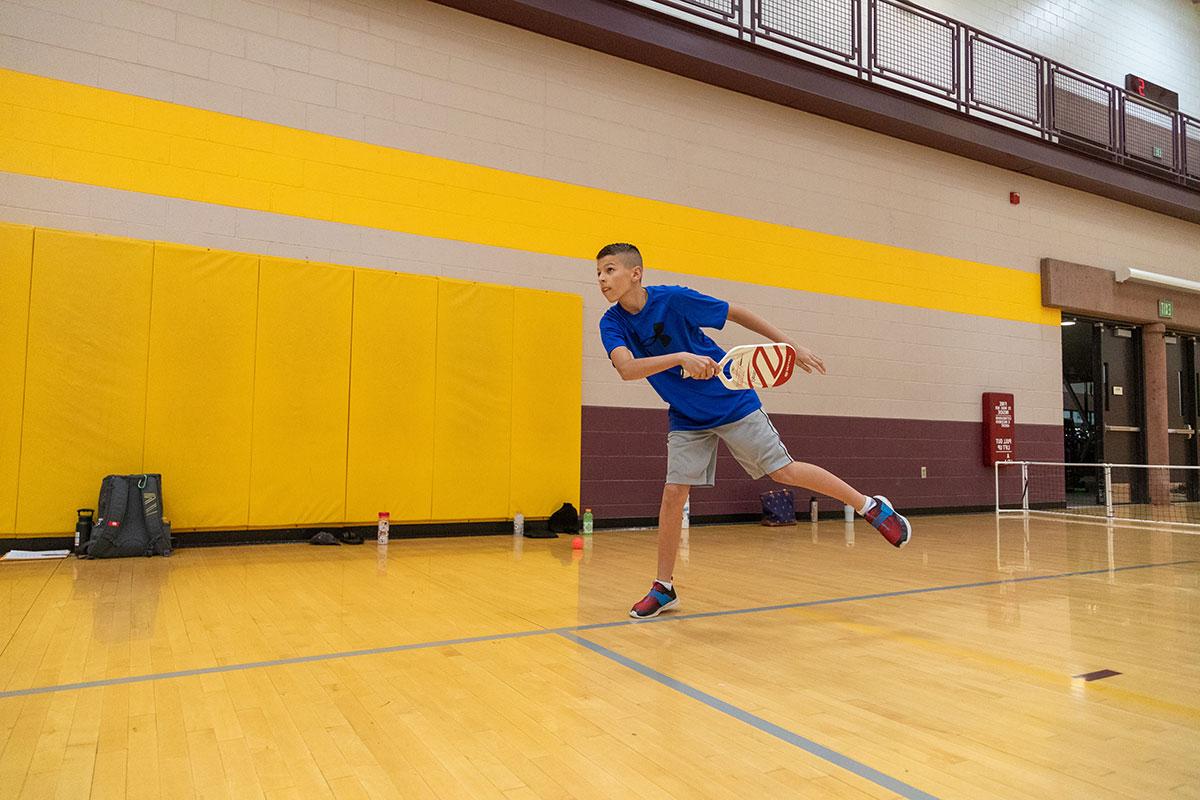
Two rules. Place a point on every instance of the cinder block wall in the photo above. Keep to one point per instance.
(408, 136)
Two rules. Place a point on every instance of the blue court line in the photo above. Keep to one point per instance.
(279, 662)
(876, 596)
(808, 745)
(282, 662)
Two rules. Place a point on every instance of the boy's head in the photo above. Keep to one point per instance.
(618, 270)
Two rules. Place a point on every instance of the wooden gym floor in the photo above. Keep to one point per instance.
(808, 662)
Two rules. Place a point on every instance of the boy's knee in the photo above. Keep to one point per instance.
(784, 474)
(676, 490)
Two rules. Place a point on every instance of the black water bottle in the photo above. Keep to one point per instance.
(83, 526)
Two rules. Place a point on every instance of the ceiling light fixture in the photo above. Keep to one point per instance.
(1156, 279)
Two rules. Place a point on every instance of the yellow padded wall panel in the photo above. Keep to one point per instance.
(547, 401)
(201, 386)
(392, 371)
(85, 398)
(471, 462)
(301, 391)
(16, 264)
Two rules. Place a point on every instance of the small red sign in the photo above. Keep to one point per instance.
(999, 427)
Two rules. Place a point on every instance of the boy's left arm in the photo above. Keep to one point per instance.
(805, 358)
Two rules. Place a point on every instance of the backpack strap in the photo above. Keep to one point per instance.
(151, 490)
(110, 524)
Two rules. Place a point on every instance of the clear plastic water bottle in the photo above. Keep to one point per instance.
(519, 524)
(687, 509)
(587, 522)
(385, 522)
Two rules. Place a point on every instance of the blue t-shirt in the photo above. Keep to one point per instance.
(670, 322)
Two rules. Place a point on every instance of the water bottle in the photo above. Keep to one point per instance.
(812, 509)
(519, 524)
(385, 522)
(83, 525)
(848, 512)
(687, 507)
(587, 522)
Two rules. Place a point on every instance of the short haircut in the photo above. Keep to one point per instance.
(627, 251)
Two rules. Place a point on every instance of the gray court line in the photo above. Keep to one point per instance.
(877, 596)
(282, 662)
(808, 745)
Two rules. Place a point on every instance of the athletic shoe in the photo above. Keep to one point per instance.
(884, 518)
(659, 600)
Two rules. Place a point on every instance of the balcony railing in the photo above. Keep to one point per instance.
(921, 52)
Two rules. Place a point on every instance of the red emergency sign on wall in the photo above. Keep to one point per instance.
(999, 427)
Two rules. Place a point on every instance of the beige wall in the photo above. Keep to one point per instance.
(1155, 39)
(420, 77)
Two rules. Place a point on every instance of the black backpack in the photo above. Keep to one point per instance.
(565, 520)
(129, 519)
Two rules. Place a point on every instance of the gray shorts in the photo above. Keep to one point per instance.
(753, 441)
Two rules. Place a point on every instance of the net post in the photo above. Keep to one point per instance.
(996, 478)
(1108, 509)
(1025, 488)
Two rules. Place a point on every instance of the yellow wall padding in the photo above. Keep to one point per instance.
(301, 394)
(201, 389)
(16, 264)
(275, 393)
(392, 370)
(85, 396)
(64, 131)
(471, 456)
(547, 401)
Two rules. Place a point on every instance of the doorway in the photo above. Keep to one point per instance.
(1102, 408)
(1183, 388)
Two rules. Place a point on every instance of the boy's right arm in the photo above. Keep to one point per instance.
(632, 369)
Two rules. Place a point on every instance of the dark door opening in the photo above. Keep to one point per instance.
(1102, 408)
(1181, 415)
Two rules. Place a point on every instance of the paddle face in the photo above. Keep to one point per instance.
(757, 366)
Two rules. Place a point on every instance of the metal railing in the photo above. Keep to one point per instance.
(927, 54)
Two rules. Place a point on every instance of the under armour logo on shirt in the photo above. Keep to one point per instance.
(658, 336)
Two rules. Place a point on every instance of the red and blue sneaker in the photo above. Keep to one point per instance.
(884, 518)
(659, 600)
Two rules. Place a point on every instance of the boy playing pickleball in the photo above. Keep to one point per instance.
(654, 332)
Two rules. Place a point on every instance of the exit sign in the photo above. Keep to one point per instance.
(1166, 309)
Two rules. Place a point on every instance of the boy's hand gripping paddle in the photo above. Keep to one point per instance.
(756, 366)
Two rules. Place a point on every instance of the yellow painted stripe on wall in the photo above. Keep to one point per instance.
(65, 131)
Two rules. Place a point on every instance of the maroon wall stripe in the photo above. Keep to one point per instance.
(625, 461)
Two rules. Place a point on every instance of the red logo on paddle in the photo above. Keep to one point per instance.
(775, 361)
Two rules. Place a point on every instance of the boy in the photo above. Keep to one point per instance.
(653, 332)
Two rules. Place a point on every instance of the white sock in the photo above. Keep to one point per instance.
(867, 506)
(665, 584)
